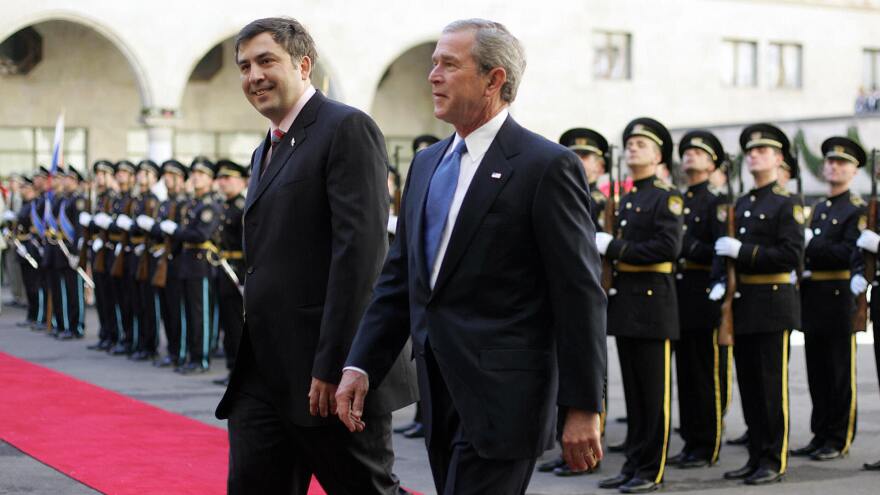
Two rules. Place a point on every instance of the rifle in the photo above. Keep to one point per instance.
(860, 318)
(160, 278)
(725, 327)
(118, 268)
(100, 256)
(143, 267)
(799, 271)
(608, 220)
(84, 249)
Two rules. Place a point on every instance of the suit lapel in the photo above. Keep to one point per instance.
(491, 176)
(293, 139)
(419, 192)
(256, 167)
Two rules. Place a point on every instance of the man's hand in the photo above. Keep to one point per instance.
(581, 442)
(350, 397)
(322, 398)
(603, 239)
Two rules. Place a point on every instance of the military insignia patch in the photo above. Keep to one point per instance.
(781, 190)
(863, 222)
(675, 205)
(856, 200)
(207, 215)
(798, 214)
(239, 203)
(721, 213)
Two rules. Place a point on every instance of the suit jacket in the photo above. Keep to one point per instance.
(314, 241)
(516, 319)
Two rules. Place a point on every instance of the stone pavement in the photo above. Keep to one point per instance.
(196, 397)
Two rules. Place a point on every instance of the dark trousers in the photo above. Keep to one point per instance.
(59, 299)
(269, 454)
(45, 314)
(646, 368)
(69, 302)
(455, 464)
(831, 374)
(173, 317)
(31, 289)
(231, 316)
(150, 316)
(762, 372)
(105, 304)
(199, 306)
(702, 371)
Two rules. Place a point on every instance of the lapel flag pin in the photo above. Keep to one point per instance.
(496, 175)
(292, 142)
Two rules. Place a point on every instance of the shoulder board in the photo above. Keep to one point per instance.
(857, 200)
(597, 196)
(781, 191)
(714, 191)
(661, 184)
(239, 203)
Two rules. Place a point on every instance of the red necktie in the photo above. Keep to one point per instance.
(276, 137)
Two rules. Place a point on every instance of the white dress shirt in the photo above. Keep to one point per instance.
(477, 143)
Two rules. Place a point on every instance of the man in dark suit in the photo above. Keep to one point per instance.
(314, 239)
(495, 273)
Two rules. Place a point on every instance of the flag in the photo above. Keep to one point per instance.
(57, 160)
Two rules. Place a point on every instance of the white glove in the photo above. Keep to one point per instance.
(73, 261)
(145, 222)
(124, 222)
(139, 249)
(6, 232)
(804, 275)
(603, 239)
(21, 251)
(717, 292)
(808, 236)
(85, 218)
(168, 227)
(727, 246)
(868, 240)
(858, 284)
(9, 215)
(102, 220)
(97, 244)
(117, 249)
(392, 224)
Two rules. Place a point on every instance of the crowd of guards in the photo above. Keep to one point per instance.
(171, 264)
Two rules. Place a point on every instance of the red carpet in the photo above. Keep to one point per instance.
(110, 442)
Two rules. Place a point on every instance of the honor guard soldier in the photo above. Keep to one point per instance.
(592, 148)
(199, 221)
(70, 308)
(642, 307)
(702, 364)
(232, 181)
(141, 264)
(97, 239)
(164, 252)
(767, 250)
(827, 304)
(54, 261)
(41, 186)
(119, 248)
(27, 250)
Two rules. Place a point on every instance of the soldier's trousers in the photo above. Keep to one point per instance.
(45, 315)
(150, 316)
(831, 374)
(645, 366)
(69, 301)
(762, 373)
(231, 316)
(111, 325)
(127, 309)
(199, 305)
(174, 318)
(31, 289)
(703, 372)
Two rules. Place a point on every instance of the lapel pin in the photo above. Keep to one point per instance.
(292, 142)
(496, 175)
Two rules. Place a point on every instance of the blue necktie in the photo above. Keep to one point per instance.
(440, 193)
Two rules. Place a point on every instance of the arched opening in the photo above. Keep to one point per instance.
(403, 106)
(56, 66)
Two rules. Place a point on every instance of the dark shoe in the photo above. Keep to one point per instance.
(65, 336)
(97, 346)
(550, 466)
(166, 362)
(620, 447)
(807, 450)
(24, 324)
(871, 466)
(564, 471)
(740, 440)
(145, 356)
(410, 426)
(674, 460)
(692, 461)
(218, 353)
(741, 473)
(192, 369)
(764, 476)
(418, 431)
(639, 485)
(106, 346)
(615, 482)
(826, 454)
(222, 381)
(120, 349)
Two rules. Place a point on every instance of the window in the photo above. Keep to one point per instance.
(611, 55)
(22, 149)
(739, 63)
(234, 145)
(871, 68)
(784, 65)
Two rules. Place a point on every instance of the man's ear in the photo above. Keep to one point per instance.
(305, 67)
(497, 78)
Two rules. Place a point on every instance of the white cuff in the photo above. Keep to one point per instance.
(359, 370)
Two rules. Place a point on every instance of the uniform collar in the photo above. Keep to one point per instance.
(699, 187)
(644, 182)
